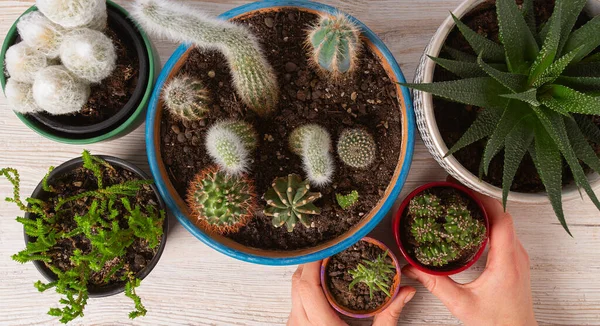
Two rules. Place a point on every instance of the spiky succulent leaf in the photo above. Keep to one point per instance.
(519, 44)
(568, 100)
(529, 14)
(518, 141)
(529, 97)
(484, 126)
(374, 274)
(459, 55)
(480, 44)
(587, 36)
(550, 48)
(463, 69)
(481, 91)
(514, 82)
(289, 200)
(580, 83)
(588, 128)
(582, 148)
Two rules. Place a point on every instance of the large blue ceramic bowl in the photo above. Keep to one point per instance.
(268, 257)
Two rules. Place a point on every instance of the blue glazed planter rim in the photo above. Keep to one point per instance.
(318, 255)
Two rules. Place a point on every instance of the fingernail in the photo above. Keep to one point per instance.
(409, 297)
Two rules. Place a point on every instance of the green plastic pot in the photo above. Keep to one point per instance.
(122, 127)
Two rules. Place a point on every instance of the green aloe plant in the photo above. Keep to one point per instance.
(535, 90)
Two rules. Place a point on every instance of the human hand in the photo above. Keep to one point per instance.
(502, 294)
(310, 306)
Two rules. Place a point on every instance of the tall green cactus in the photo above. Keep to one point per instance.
(221, 202)
(335, 45)
(229, 143)
(313, 143)
(444, 230)
(253, 77)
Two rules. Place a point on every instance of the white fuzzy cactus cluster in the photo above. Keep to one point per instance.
(69, 30)
(313, 143)
(230, 144)
(254, 78)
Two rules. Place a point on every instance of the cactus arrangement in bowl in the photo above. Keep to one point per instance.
(537, 90)
(249, 96)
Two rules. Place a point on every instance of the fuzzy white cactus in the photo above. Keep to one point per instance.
(20, 97)
(75, 13)
(24, 62)
(40, 33)
(88, 54)
(57, 91)
(313, 143)
(186, 98)
(253, 77)
(230, 143)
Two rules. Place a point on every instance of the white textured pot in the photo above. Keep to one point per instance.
(423, 105)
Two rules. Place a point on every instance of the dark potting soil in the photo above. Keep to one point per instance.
(453, 119)
(444, 194)
(338, 279)
(80, 180)
(111, 94)
(366, 99)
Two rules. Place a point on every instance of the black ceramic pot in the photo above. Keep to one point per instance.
(39, 193)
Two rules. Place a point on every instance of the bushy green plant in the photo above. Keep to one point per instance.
(334, 43)
(347, 201)
(356, 148)
(374, 274)
(289, 200)
(444, 232)
(186, 98)
(253, 77)
(107, 239)
(221, 202)
(230, 143)
(535, 90)
(313, 143)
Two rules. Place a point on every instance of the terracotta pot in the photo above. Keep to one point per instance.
(363, 314)
(397, 225)
(97, 292)
(231, 248)
(423, 103)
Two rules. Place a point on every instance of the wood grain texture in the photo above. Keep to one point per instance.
(194, 285)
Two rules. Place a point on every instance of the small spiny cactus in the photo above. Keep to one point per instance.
(186, 98)
(253, 77)
(313, 144)
(426, 205)
(289, 200)
(57, 91)
(444, 232)
(356, 148)
(75, 13)
(374, 274)
(88, 54)
(40, 33)
(229, 143)
(438, 255)
(20, 97)
(24, 62)
(334, 43)
(221, 202)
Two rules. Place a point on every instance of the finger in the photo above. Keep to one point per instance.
(298, 312)
(317, 308)
(443, 287)
(391, 314)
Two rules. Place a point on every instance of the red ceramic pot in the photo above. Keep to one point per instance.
(396, 224)
(363, 313)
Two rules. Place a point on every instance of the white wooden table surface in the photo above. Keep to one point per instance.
(194, 285)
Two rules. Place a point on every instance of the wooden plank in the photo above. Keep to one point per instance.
(194, 285)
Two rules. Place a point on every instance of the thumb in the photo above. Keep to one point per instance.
(391, 314)
(443, 287)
